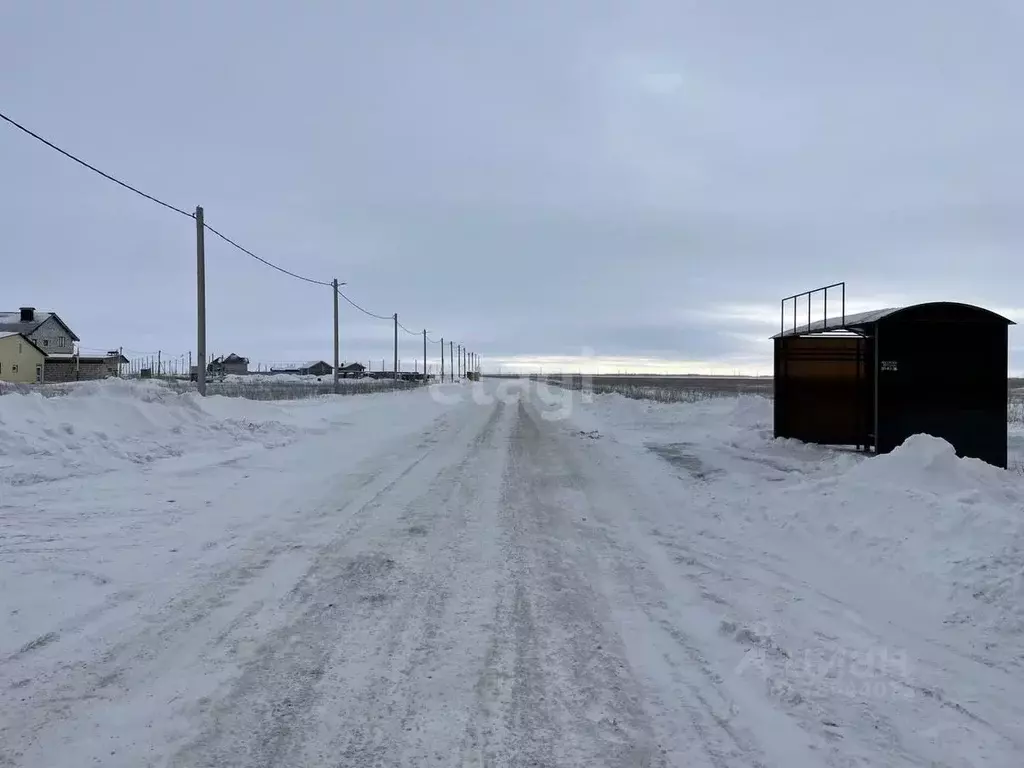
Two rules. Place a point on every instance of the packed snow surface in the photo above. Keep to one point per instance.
(495, 574)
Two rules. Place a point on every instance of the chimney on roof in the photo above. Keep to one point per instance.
(28, 314)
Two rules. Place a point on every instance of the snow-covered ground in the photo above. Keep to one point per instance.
(495, 575)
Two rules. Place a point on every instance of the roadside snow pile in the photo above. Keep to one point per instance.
(729, 438)
(106, 425)
(955, 526)
(924, 512)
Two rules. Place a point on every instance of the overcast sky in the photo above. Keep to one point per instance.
(634, 184)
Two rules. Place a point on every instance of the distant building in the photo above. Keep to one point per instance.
(351, 370)
(72, 367)
(316, 368)
(232, 363)
(45, 329)
(21, 360)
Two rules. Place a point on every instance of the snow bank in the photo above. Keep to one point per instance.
(106, 425)
(954, 525)
(923, 511)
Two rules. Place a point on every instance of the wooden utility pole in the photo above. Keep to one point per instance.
(442, 360)
(451, 361)
(424, 355)
(396, 346)
(459, 358)
(200, 302)
(334, 285)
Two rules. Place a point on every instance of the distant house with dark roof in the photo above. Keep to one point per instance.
(312, 368)
(44, 329)
(316, 368)
(352, 369)
(229, 364)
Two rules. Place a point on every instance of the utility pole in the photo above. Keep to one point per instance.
(200, 302)
(424, 355)
(396, 346)
(459, 349)
(451, 361)
(334, 284)
(442, 359)
(158, 354)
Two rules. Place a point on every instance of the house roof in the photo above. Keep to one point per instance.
(7, 334)
(863, 321)
(353, 367)
(12, 322)
(315, 363)
(233, 358)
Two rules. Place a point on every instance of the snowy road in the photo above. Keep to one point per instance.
(483, 585)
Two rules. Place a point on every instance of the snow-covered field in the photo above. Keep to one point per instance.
(481, 575)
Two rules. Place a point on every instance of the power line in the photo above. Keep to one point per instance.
(206, 226)
(156, 200)
(246, 251)
(364, 311)
(93, 168)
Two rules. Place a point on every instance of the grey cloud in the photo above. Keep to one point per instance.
(523, 177)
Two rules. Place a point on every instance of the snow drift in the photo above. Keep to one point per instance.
(924, 512)
(106, 425)
(953, 525)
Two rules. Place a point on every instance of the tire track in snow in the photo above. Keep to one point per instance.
(135, 663)
(379, 609)
(848, 728)
(555, 689)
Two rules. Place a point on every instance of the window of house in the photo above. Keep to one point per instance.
(14, 369)
(46, 342)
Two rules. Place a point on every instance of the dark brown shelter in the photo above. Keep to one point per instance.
(873, 379)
